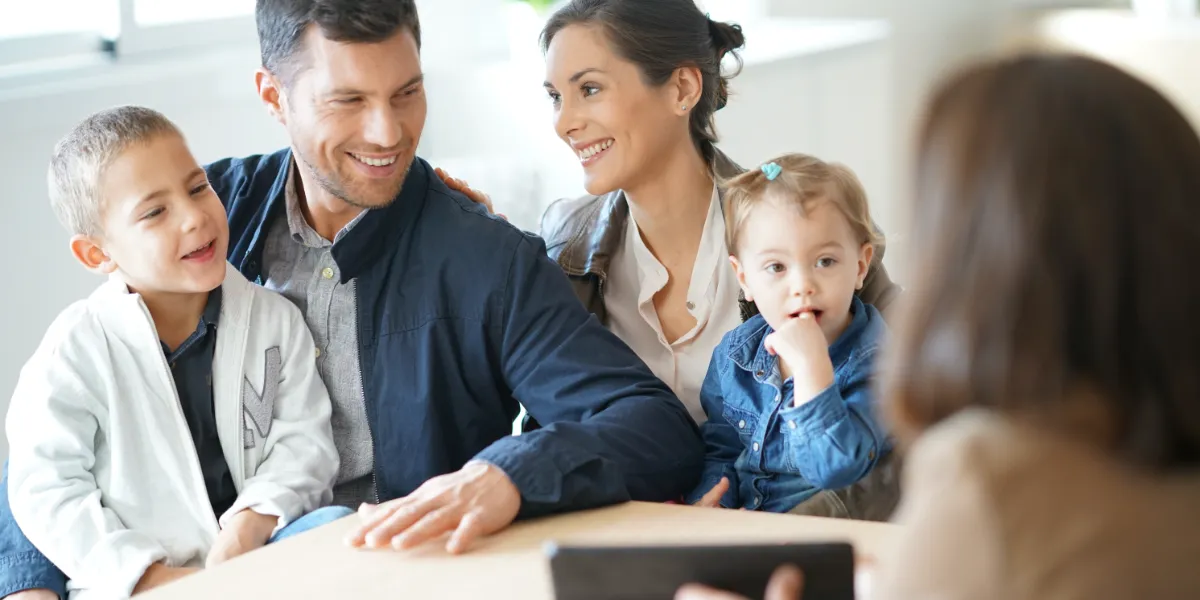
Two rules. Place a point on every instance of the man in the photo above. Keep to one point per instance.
(432, 319)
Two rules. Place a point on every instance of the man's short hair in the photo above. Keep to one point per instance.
(81, 157)
(282, 25)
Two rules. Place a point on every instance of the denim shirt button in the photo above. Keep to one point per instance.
(792, 424)
(756, 446)
(741, 424)
(759, 374)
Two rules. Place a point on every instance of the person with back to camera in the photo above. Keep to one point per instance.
(1042, 376)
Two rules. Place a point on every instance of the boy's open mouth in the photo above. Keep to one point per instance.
(201, 252)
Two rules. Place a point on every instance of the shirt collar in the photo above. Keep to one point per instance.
(711, 263)
(208, 322)
(652, 276)
(302, 232)
(212, 308)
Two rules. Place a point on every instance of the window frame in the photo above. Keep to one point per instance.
(22, 54)
(221, 31)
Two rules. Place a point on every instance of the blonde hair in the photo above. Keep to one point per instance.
(802, 180)
(81, 157)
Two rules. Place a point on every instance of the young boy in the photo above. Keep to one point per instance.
(788, 393)
(177, 393)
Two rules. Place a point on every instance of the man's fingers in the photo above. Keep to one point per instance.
(428, 527)
(469, 529)
(787, 583)
(372, 518)
(369, 517)
(398, 522)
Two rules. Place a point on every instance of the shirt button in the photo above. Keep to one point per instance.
(778, 398)
(792, 424)
(741, 424)
(691, 305)
(327, 272)
(318, 352)
(756, 446)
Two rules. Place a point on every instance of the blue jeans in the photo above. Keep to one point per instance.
(313, 520)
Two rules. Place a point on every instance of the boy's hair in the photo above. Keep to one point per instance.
(1057, 208)
(81, 157)
(802, 180)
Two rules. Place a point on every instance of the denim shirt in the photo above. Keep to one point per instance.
(777, 455)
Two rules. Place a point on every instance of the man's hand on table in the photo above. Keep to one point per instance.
(475, 501)
(786, 584)
(38, 594)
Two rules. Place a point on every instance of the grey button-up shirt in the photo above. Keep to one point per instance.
(298, 263)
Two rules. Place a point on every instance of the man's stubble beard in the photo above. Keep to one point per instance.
(338, 191)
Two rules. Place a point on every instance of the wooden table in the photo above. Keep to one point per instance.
(508, 565)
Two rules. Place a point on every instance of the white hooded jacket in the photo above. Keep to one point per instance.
(103, 474)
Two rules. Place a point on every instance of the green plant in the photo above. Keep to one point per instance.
(539, 5)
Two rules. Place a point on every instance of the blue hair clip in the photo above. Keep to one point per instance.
(771, 170)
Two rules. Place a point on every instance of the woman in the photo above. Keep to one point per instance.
(635, 85)
(1045, 372)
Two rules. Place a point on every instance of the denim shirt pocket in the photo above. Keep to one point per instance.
(745, 422)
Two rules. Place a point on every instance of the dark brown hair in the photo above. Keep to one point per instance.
(659, 37)
(802, 180)
(283, 23)
(1056, 220)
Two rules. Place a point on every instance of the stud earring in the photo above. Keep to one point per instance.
(683, 107)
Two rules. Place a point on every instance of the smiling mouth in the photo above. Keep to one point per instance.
(202, 251)
(593, 153)
(386, 161)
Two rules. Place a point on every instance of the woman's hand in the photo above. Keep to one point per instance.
(461, 187)
(787, 583)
